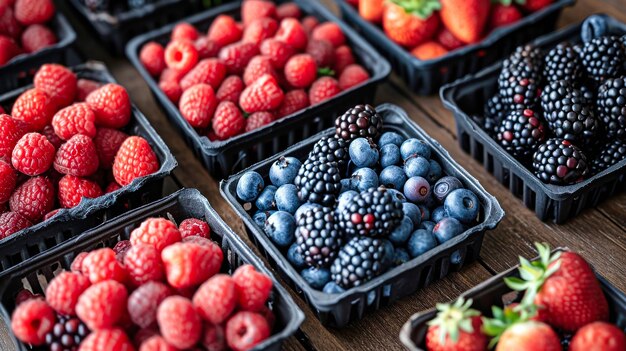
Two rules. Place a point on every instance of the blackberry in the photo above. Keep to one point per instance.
(611, 104)
(318, 182)
(611, 154)
(562, 63)
(318, 236)
(97, 5)
(66, 334)
(331, 149)
(520, 133)
(527, 54)
(359, 261)
(494, 113)
(560, 162)
(374, 212)
(361, 121)
(517, 90)
(603, 57)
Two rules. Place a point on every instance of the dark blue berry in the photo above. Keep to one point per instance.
(346, 184)
(438, 214)
(428, 225)
(435, 172)
(261, 216)
(456, 258)
(397, 194)
(363, 152)
(425, 211)
(280, 227)
(284, 170)
(333, 288)
(400, 256)
(447, 229)
(316, 277)
(389, 155)
(344, 200)
(393, 177)
(305, 207)
(445, 186)
(401, 233)
(413, 212)
(294, 257)
(416, 166)
(391, 138)
(463, 205)
(250, 186)
(414, 147)
(417, 189)
(388, 257)
(287, 198)
(265, 201)
(363, 179)
(420, 241)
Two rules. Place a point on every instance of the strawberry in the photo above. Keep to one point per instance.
(224, 30)
(254, 9)
(529, 336)
(410, 25)
(503, 15)
(456, 328)
(262, 95)
(598, 336)
(429, 50)
(466, 19)
(448, 40)
(371, 10)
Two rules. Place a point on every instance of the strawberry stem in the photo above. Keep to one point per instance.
(420, 8)
(454, 318)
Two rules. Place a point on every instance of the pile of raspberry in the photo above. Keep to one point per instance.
(61, 143)
(23, 27)
(243, 75)
(160, 290)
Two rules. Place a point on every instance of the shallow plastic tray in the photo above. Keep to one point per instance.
(340, 309)
(223, 158)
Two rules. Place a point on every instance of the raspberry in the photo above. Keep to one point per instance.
(34, 11)
(156, 343)
(208, 71)
(254, 9)
(51, 214)
(8, 180)
(184, 31)
(258, 66)
(102, 305)
(8, 49)
(172, 90)
(143, 264)
(64, 290)
(33, 199)
(73, 120)
(343, 58)
(292, 33)
(179, 323)
(181, 55)
(268, 315)
(195, 239)
(37, 37)
(10, 133)
(331, 32)
(72, 190)
(301, 70)
(77, 157)
(206, 48)
(216, 299)
(253, 288)
(113, 186)
(101, 265)
(213, 338)
(323, 89)
(277, 52)
(158, 232)
(322, 52)
(263, 95)
(309, 23)
(224, 31)
(84, 87)
(258, 120)
(108, 142)
(111, 105)
(25, 295)
(230, 90)
(11, 223)
(194, 226)
(152, 57)
(288, 9)
(35, 108)
(144, 334)
(236, 56)
(58, 82)
(32, 320)
(143, 302)
(228, 120)
(77, 263)
(114, 339)
(33, 154)
(53, 138)
(189, 264)
(197, 105)
(294, 101)
(259, 30)
(172, 75)
(352, 75)
(134, 159)
(121, 248)
(8, 24)
(245, 330)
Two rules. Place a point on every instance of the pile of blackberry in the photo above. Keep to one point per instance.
(67, 334)
(554, 110)
(363, 201)
(115, 6)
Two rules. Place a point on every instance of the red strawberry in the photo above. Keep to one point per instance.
(254, 9)
(224, 30)
(208, 71)
(429, 50)
(184, 31)
(258, 66)
(259, 30)
(236, 56)
(288, 9)
(197, 105)
(301, 70)
(152, 57)
(323, 89)
(37, 37)
(371, 10)
(230, 90)
(410, 26)
(330, 32)
(448, 40)
(457, 327)
(535, 5)
(228, 120)
(262, 95)
(292, 33)
(343, 58)
(258, 120)
(598, 336)
(295, 100)
(181, 55)
(277, 51)
(503, 15)
(352, 75)
(529, 336)
(466, 19)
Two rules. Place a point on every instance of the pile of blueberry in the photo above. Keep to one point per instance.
(362, 203)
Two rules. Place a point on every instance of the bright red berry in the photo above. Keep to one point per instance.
(64, 290)
(101, 265)
(228, 120)
(144, 334)
(32, 320)
(259, 30)
(158, 232)
(189, 264)
(170, 74)
(254, 9)
(301, 70)
(292, 33)
(156, 343)
(236, 56)
(197, 105)
(84, 87)
(33, 198)
(184, 31)
(37, 37)
(8, 49)
(181, 55)
(213, 337)
(194, 226)
(143, 302)
(309, 23)
(263, 95)
(343, 58)
(74, 119)
(114, 339)
(172, 90)
(113, 186)
(77, 263)
(322, 51)
(295, 100)
(323, 89)
(134, 159)
(51, 214)
(230, 90)
(216, 299)
(10, 133)
(331, 32)
(33, 154)
(8, 180)
(179, 323)
(72, 189)
(143, 264)
(11, 223)
(277, 51)
(108, 142)
(245, 330)
(224, 31)
(352, 75)
(253, 288)
(111, 104)
(35, 108)
(288, 9)
(448, 40)
(102, 305)
(8, 24)
(258, 120)
(258, 66)
(53, 138)
(34, 11)
(77, 157)
(58, 82)
(152, 57)
(208, 71)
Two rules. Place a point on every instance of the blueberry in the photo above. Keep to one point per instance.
(416, 166)
(284, 170)
(346, 184)
(390, 138)
(413, 212)
(402, 232)
(392, 177)
(389, 155)
(400, 256)
(414, 147)
(438, 214)
(425, 211)
(430, 200)
(305, 207)
(420, 241)
(388, 258)
(344, 200)
(280, 227)
(287, 198)
(428, 225)
(294, 257)
(456, 258)
(447, 229)
(371, 296)
(463, 205)
(445, 186)
(261, 216)
(435, 172)
(249, 186)
(398, 195)
(265, 201)
(332, 288)
(363, 179)
(416, 189)
(363, 152)
(316, 277)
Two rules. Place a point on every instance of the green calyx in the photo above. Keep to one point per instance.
(505, 318)
(420, 8)
(452, 319)
(325, 72)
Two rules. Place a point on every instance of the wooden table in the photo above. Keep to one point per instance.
(599, 234)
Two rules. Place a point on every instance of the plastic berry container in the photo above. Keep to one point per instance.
(426, 77)
(494, 292)
(338, 310)
(68, 223)
(187, 203)
(467, 97)
(223, 158)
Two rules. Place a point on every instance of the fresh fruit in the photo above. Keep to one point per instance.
(34, 11)
(602, 57)
(465, 19)
(291, 32)
(68, 332)
(33, 198)
(372, 213)
(262, 95)
(318, 182)
(224, 31)
(32, 320)
(456, 327)
(144, 301)
(230, 89)
(301, 70)
(73, 189)
(259, 30)
(228, 120)
(194, 226)
(179, 323)
(529, 335)
(560, 162)
(152, 56)
(109, 339)
(181, 55)
(111, 105)
(258, 66)
(216, 299)
(157, 232)
(35, 108)
(73, 120)
(37, 37)
(520, 133)
(249, 186)
(100, 265)
(611, 106)
(197, 105)
(33, 154)
(102, 305)
(409, 24)
(58, 82)
(244, 330)
(64, 290)
(258, 120)
(359, 261)
(429, 50)
(598, 336)
(135, 159)
(208, 71)
(188, 264)
(318, 236)
(108, 142)
(563, 63)
(352, 75)
(330, 32)
(610, 154)
(77, 157)
(371, 10)
(360, 121)
(503, 15)
(143, 264)
(254, 9)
